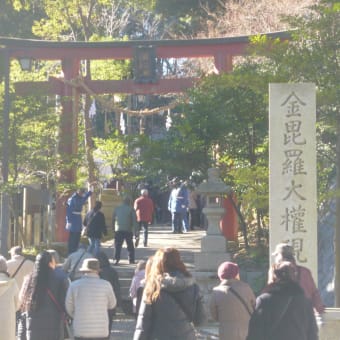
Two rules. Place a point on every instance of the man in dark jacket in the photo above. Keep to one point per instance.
(125, 224)
(283, 312)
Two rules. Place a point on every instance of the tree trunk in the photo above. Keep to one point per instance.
(337, 223)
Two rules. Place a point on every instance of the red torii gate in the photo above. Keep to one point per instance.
(71, 53)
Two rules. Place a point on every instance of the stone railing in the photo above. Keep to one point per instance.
(329, 326)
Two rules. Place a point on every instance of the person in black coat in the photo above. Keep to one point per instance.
(283, 312)
(110, 274)
(96, 228)
(171, 302)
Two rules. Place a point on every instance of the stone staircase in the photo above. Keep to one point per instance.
(159, 236)
(125, 274)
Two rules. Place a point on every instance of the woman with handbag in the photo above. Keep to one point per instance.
(171, 304)
(42, 298)
(283, 312)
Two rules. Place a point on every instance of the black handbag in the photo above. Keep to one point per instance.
(197, 314)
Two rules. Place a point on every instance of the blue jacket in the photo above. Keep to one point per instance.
(178, 200)
(74, 207)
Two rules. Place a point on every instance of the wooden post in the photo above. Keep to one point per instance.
(223, 62)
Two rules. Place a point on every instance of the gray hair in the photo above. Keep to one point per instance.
(144, 192)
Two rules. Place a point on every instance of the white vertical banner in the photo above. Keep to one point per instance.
(292, 168)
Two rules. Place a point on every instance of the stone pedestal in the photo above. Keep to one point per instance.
(329, 328)
(207, 281)
(213, 244)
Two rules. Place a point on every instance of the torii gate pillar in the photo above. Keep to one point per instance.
(68, 146)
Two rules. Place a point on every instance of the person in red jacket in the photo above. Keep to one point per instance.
(285, 252)
(144, 210)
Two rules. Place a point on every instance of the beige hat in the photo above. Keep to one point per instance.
(284, 249)
(90, 265)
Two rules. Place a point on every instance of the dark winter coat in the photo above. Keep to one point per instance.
(173, 314)
(95, 222)
(296, 323)
(46, 322)
(110, 274)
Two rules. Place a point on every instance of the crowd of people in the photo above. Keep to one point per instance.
(42, 297)
(45, 299)
(129, 218)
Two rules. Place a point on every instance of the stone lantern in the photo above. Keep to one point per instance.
(213, 244)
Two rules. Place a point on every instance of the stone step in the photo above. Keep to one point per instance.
(125, 274)
(125, 284)
(159, 236)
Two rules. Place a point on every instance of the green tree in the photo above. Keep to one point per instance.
(79, 21)
(185, 18)
(120, 153)
(313, 55)
(225, 123)
(228, 112)
(16, 19)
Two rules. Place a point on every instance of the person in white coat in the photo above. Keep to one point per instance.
(9, 302)
(19, 266)
(89, 302)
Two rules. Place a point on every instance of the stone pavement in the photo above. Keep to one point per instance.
(159, 236)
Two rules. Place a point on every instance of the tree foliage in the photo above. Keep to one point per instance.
(16, 18)
(228, 112)
(313, 55)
